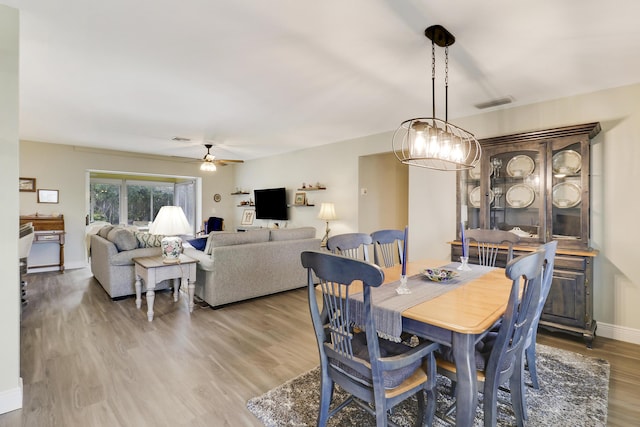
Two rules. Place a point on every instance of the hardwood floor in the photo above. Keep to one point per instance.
(90, 361)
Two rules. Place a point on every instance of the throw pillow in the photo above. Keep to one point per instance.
(198, 243)
(148, 240)
(123, 239)
(104, 231)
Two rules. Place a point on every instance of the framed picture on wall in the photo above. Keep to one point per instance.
(300, 199)
(247, 217)
(27, 184)
(47, 196)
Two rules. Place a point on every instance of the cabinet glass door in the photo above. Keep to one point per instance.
(567, 196)
(515, 195)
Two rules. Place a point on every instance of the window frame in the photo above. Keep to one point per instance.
(123, 179)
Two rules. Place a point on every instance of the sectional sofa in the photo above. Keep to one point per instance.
(231, 266)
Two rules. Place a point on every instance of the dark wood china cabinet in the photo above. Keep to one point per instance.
(536, 184)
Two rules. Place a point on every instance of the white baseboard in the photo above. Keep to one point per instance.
(620, 333)
(10, 400)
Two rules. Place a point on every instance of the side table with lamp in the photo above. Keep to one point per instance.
(172, 223)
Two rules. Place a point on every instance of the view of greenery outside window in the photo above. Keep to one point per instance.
(105, 202)
(137, 202)
(144, 200)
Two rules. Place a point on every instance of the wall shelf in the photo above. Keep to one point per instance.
(312, 188)
(238, 193)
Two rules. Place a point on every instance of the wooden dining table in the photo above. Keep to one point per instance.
(457, 319)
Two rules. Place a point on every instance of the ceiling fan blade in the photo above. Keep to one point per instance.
(224, 162)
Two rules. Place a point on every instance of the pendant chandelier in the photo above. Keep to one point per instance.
(431, 142)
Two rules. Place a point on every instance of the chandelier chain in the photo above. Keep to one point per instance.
(433, 79)
(433, 60)
(446, 83)
(446, 66)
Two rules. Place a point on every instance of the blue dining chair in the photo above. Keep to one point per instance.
(489, 242)
(350, 245)
(500, 355)
(372, 370)
(387, 247)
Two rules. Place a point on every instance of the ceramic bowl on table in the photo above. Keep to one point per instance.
(439, 274)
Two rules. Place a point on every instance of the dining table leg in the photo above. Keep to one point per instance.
(463, 346)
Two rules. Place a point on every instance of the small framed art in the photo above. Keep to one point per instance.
(27, 184)
(47, 196)
(247, 217)
(300, 199)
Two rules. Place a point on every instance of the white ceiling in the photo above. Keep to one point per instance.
(260, 77)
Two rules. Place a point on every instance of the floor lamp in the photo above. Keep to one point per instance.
(327, 213)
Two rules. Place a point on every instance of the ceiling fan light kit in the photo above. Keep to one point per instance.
(208, 165)
(431, 142)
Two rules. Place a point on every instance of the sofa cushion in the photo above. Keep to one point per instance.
(200, 243)
(104, 231)
(123, 239)
(293, 233)
(148, 240)
(230, 239)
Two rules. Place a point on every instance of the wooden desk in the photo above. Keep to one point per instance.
(48, 229)
(458, 319)
(152, 270)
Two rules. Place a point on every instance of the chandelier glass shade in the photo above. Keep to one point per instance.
(432, 142)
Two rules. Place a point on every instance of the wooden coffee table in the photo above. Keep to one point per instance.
(153, 271)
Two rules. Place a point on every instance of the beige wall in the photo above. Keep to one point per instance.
(334, 165)
(615, 177)
(10, 384)
(383, 193)
(64, 168)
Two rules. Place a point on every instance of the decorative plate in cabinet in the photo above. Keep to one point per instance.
(566, 195)
(566, 161)
(520, 195)
(475, 197)
(520, 166)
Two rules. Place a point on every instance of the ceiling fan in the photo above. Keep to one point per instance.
(209, 161)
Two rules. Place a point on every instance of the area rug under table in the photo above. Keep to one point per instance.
(573, 392)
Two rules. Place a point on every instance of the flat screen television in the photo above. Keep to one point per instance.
(271, 203)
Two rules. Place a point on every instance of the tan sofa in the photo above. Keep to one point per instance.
(239, 266)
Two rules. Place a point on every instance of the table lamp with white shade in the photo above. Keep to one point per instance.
(327, 213)
(172, 223)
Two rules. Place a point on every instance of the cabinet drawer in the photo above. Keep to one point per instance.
(48, 237)
(570, 263)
